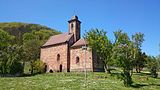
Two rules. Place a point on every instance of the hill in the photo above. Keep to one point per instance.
(18, 29)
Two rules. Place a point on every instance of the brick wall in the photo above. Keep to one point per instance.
(78, 52)
(49, 56)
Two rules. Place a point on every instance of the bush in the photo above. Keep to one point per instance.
(39, 67)
(16, 68)
(153, 66)
(153, 71)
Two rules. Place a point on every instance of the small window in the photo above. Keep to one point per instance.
(72, 26)
(77, 59)
(58, 57)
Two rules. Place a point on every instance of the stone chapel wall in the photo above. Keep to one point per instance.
(49, 56)
(79, 66)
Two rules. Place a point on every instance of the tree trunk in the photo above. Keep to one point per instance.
(23, 63)
(31, 64)
(131, 72)
(127, 78)
(139, 69)
(106, 68)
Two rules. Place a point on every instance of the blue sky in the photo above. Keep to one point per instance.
(130, 15)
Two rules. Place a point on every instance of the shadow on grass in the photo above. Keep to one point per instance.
(142, 74)
(14, 75)
(115, 73)
(142, 85)
(138, 85)
(27, 75)
(158, 78)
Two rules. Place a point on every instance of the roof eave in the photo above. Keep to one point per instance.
(53, 44)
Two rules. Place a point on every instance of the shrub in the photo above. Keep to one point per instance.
(39, 67)
(16, 68)
(153, 66)
(153, 71)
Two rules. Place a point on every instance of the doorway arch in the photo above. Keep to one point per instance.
(60, 68)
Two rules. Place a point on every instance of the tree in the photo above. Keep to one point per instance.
(9, 55)
(32, 43)
(13, 63)
(5, 41)
(123, 55)
(153, 66)
(101, 45)
(32, 50)
(139, 57)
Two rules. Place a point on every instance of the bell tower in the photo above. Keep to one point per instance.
(74, 27)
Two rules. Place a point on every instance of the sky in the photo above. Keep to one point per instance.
(110, 15)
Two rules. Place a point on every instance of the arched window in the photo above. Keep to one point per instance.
(77, 60)
(72, 26)
(58, 57)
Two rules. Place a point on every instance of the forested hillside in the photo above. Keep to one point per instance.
(18, 29)
(15, 28)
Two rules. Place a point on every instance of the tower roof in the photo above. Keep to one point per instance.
(74, 17)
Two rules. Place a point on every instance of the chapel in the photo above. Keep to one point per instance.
(69, 52)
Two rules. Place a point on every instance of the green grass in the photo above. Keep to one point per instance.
(76, 81)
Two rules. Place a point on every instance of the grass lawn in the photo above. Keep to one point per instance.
(75, 81)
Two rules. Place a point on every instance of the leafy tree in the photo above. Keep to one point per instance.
(99, 43)
(32, 43)
(9, 55)
(123, 55)
(138, 39)
(32, 50)
(139, 57)
(5, 41)
(153, 66)
(13, 63)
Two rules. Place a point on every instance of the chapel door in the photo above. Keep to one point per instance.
(60, 68)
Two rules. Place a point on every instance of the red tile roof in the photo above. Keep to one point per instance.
(57, 39)
(80, 42)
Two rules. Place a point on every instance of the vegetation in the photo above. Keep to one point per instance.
(20, 43)
(9, 54)
(17, 29)
(20, 46)
(153, 66)
(124, 53)
(139, 57)
(38, 67)
(75, 81)
(32, 42)
(100, 44)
